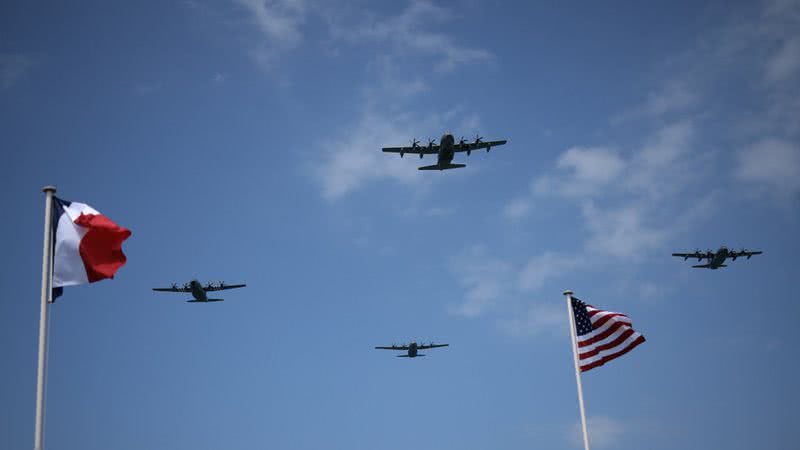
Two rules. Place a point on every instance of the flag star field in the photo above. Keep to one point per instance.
(239, 141)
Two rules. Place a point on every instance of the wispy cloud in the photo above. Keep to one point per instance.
(415, 31)
(279, 23)
(543, 267)
(486, 280)
(672, 96)
(506, 291)
(603, 431)
(355, 160)
(385, 104)
(12, 68)
(771, 164)
(584, 172)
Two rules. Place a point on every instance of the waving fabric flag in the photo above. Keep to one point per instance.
(87, 245)
(602, 335)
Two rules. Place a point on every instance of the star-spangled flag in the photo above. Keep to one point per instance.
(602, 335)
(87, 246)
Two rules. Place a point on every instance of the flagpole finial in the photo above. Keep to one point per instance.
(567, 292)
(49, 188)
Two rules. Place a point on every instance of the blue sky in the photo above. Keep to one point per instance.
(240, 141)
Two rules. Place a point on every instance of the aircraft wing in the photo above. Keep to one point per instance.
(423, 347)
(221, 287)
(417, 150)
(698, 255)
(394, 347)
(743, 253)
(472, 146)
(173, 289)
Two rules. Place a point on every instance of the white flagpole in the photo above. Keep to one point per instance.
(573, 335)
(47, 254)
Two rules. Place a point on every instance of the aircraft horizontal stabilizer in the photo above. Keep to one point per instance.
(442, 166)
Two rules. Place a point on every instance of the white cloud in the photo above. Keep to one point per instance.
(410, 35)
(622, 231)
(12, 68)
(485, 279)
(636, 189)
(785, 63)
(358, 159)
(543, 267)
(772, 163)
(664, 163)
(541, 317)
(279, 22)
(517, 208)
(385, 119)
(586, 171)
(603, 431)
(672, 96)
(595, 165)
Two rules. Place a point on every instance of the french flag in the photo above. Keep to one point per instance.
(87, 245)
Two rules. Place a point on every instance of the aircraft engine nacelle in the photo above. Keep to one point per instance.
(401, 154)
(748, 256)
(487, 149)
(469, 152)
(421, 155)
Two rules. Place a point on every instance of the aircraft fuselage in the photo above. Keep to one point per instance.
(446, 150)
(717, 261)
(198, 292)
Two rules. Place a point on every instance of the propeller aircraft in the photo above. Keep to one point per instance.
(716, 259)
(198, 290)
(412, 349)
(445, 150)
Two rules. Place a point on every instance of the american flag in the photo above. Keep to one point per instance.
(602, 335)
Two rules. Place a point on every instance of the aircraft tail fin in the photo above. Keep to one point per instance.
(442, 167)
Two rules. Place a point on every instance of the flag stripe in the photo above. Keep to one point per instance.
(599, 335)
(87, 246)
(602, 335)
(618, 339)
(605, 359)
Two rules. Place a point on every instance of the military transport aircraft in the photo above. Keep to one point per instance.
(716, 259)
(198, 291)
(445, 150)
(412, 348)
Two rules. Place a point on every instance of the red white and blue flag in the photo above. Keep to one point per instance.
(602, 335)
(87, 246)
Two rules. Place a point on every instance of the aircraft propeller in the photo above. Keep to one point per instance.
(462, 143)
(174, 285)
